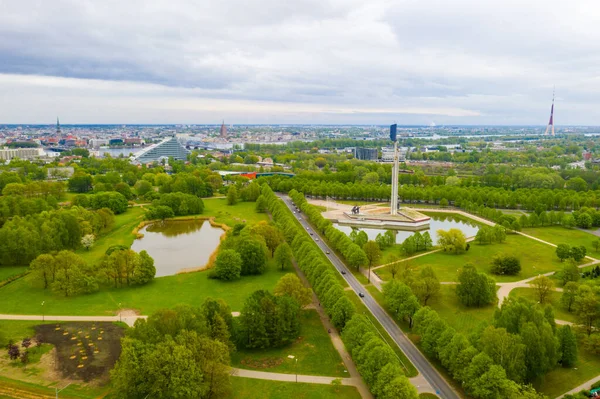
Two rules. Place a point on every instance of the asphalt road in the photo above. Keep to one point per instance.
(438, 383)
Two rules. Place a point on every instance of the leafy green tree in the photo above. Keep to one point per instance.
(44, 269)
(563, 251)
(254, 256)
(427, 286)
(342, 311)
(474, 288)
(542, 286)
(505, 265)
(569, 295)
(291, 285)
(145, 270)
(567, 346)
(142, 187)
(228, 265)
(283, 256)
(569, 273)
(72, 276)
(401, 301)
(160, 212)
(578, 253)
(596, 245)
(80, 183)
(361, 238)
(506, 350)
(453, 240)
(261, 204)
(587, 308)
(232, 195)
(399, 387)
(372, 251)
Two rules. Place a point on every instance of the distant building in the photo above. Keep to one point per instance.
(6, 154)
(60, 173)
(223, 132)
(165, 149)
(387, 154)
(95, 143)
(587, 156)
(365, 154)
(57, 127)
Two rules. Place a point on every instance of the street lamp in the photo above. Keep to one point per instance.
(43, 316)
(296, 365)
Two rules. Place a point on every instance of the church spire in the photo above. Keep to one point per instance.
(57, 126)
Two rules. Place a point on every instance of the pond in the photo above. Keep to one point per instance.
(438, 222)
(177, 245)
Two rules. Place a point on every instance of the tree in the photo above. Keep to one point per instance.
(394, 267)
(261, 204)
(232, 195)
(361, 238)
(542, 286)
(427, 286)
(291, 285)
(570, 272)
(87, 241)
(474, 288)
(142, 187)
(569, 295)
(401, 301)
(372, 251)
(587, 308)
(506, 350)
(342, 312)
(44, 269)
(505, 265)
(228, 265)
(578, 253)
(71, 275)
(80, 183)
(283, 256)
(596, 244)
(399, 388)
(427, 241)
(453, 240)
(563, 251)
(567, 346)
(144, 270)
(254, 256)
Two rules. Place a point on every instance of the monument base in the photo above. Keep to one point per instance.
(380, 218)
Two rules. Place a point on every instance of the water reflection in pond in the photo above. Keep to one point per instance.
(176, 245)
(443, 222)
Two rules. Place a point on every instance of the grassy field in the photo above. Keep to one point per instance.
(313, 349)
(120, 234)
(360, 203)
(9, 271)
(561, 380)
(242, 212)
(16, 330)
(163, 292)
(559, 312)
(248, 388)
(560, 235)
(535, 257)
(27, 390)
(461, 318)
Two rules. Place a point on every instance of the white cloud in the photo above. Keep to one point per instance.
(339, 61)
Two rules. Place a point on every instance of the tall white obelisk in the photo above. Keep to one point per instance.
(395, 168)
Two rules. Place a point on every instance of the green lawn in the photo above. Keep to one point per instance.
(8, 271)
(163, 292)
(248, 388)
(120, 234)
(560, 235)
(561, 380)
(73, 391)
(560, 313)
(313, 349)
(535, 257)
(461, 318)
(360, 203)
(16, 330)
(242, 212)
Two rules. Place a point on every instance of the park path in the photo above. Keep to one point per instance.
(585, 385)
(312, 379)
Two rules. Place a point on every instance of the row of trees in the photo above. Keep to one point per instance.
(416, 242)
(22, 239)
(353, 253)
(489, 235)
(112, 200)
(68, 274)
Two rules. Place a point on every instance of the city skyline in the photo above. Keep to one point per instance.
(311, 62)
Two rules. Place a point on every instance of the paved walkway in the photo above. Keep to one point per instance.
(312, 379)
(585, 385)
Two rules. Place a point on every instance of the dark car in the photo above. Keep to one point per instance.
(360, 294)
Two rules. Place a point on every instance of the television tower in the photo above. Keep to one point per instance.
(57, 126)
(551, 121)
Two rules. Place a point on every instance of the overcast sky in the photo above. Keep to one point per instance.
(300, 61)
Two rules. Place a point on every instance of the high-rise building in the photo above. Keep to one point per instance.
(551, 121)
(57, 126)
(223, 133)
(366, 154)
(165, 149)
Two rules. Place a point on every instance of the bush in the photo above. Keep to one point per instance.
(228, 265)
(506, 264)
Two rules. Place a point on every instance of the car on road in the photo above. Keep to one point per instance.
(316, 239)
(343, 272)
(294, 211)
(327, 252)
(311, 233)
(360, 294)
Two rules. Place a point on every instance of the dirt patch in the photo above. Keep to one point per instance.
(265, 363)
(83, 351)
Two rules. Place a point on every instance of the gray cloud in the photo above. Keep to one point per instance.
(338, 61)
